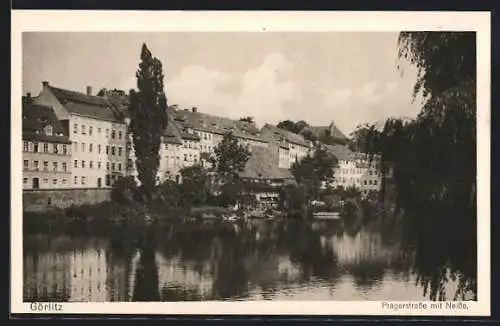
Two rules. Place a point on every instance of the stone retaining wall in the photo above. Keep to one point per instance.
(42, 199)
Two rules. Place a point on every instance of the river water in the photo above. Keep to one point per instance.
(257, 260)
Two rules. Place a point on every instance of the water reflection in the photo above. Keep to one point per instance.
(258, 260)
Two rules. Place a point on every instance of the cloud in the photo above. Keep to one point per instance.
(263, 91)
(337, 97)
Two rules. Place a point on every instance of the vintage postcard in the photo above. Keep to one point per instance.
(291, 163)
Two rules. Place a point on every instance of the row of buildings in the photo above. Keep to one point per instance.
(80, 140)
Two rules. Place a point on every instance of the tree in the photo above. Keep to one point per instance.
(291, 126)
(433, 159)
(195, 186)
(314, 171)
(148, 119)
(124, 190)
(247, 119)
(229, 160)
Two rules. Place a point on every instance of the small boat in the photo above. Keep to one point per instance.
(326, 215)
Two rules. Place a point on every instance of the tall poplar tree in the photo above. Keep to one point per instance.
(148, 119)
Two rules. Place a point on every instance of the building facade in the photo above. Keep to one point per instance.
(298, 146)
(46, 149)
(97, 133)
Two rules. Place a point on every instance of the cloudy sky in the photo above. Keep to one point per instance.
(350, 78)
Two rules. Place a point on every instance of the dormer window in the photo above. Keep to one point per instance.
(48, 130)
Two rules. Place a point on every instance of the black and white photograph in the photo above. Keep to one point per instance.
(261, 165)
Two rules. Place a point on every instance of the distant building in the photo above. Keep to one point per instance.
(264, 178)
(330, 133)
(97, 132)
(298, 147)
(46, 148)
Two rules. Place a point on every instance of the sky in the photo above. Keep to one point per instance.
(350, 78)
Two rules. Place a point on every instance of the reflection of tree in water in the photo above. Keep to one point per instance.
(178, 293)
(146, 279)
(119, 266)
(367, 274)
(303, 246)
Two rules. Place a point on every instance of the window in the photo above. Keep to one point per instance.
(107, 133)
(26, 146)
(76, 163)
(48, 130)
(99, 164)
(119, 166)
(113, 150)
(91, 147)
(35, 165)
(76, 180)
(45, 147)
(55, 148)
(65, 167)
(83, 180)
(83, 164)
(26, 164)
(99, 130)
(25, 180)
(99, 148)
(113, 134)
(64, 149)
(84, 132)
(119, 134)
(130, 163)
(75, 128)
(83, 147)
(107, 150)
(91, 164)
(54, 181)
(120, 150)
(75, 146)
(90, 130)
(64, 181)
(185, 157)
(35, 147)
(45, 180)
(107, 165)
(45, 165)
(112, 166)
(54, 166)
(375, 182)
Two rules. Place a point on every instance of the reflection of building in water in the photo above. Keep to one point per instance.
(175, 273)
(88, 271)
(47, 277)
(117, 278)
(363, 247)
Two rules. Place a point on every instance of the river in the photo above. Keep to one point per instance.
(257, 260)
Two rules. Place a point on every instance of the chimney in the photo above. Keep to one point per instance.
(45, 83)
(89, 90)
(194, 109)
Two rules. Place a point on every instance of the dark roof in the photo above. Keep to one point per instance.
(36, 118)
(341, 152)
(331, 131)
(261, 166)
(85, 105)
(279, 134)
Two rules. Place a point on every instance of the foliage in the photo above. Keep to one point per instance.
(148, 119)
(314, 171)
(169, 193)
(432, 160)
(195, 186)
(124, 190)
(293, 199)
(291, 126)
(247, 119)
(111, 92)
(230, 158)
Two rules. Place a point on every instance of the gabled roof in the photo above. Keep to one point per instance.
(341, 152)
(91, 106)
(281, 134)
(261, 166)
(36, 118)
(332, 131)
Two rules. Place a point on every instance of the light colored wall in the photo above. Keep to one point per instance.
(46, 176)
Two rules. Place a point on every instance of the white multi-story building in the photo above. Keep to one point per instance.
(298, 146)
(97, 133)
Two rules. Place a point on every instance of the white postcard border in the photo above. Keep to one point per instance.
(148, 21)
